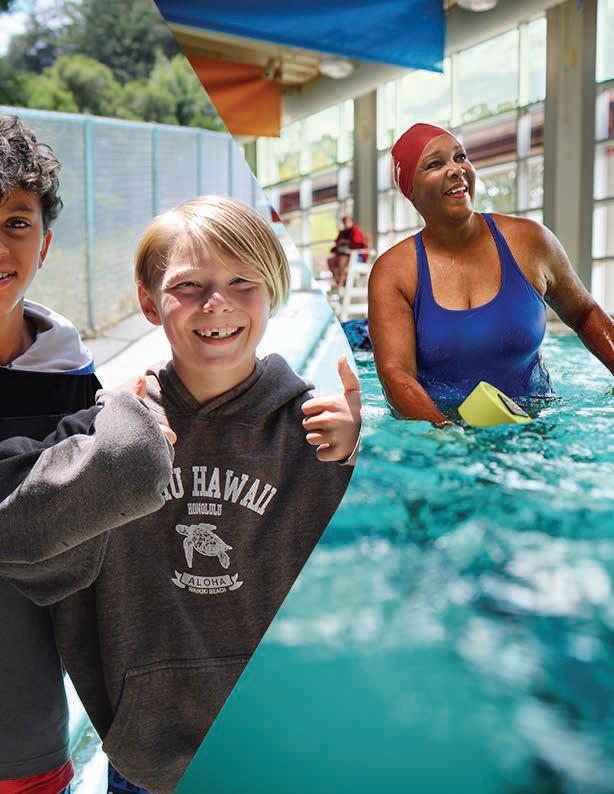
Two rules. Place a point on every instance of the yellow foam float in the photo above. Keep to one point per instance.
(487, 406)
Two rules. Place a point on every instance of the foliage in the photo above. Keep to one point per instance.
(13, 87)
(324, 226)
(126, 37)
(497, 192)
(483, 110)
(104, 57)
(91, 84)
(289, 165)
(45, 93)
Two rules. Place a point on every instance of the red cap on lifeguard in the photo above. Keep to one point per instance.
(406, 153)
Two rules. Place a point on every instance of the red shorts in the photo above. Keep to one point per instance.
(53, 782)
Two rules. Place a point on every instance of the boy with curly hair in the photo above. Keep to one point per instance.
(46, 375)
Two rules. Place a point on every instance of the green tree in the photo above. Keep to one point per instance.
(104, 57)
(145, 102)
(45, 93)
(323, 151)
(126, 37)
(13, 88)
(289, 165)
(90, 84)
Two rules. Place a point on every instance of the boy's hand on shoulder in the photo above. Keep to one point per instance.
(138, 387)
(333, 421)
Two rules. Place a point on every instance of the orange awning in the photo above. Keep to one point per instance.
(247, 103)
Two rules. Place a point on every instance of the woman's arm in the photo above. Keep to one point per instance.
(393, 336)
(575, 306)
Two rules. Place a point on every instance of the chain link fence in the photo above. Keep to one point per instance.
(117, 175)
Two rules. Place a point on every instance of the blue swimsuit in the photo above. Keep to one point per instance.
(497, 342)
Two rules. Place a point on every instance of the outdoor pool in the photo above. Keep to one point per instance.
(454, 629)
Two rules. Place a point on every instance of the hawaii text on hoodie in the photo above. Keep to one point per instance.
(183, 597)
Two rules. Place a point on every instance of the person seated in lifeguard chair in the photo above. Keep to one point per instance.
(350, 238)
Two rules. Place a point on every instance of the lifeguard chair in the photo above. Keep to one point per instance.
(353, 296)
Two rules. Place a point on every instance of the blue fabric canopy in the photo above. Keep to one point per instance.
(406, 33)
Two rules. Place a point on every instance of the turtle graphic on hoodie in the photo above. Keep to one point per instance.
(180, 604)
(202, 538)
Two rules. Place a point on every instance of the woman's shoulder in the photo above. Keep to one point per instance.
(396, 269)
(526, 230)
(399, 258)
(531, 244)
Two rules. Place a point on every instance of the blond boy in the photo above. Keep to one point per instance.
(156, 644)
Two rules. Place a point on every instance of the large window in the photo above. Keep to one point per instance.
(488, 78)
(424, 96)
(532, 78)
(308, 174)
(281, 157)
(605, 47)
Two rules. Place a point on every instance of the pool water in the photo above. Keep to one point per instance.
(454, 629)
(495, 549)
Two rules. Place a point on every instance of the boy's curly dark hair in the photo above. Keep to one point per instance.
(28, 164)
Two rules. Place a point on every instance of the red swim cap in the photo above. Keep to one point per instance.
(406, 153)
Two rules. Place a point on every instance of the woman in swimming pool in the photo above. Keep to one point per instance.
(464, 300)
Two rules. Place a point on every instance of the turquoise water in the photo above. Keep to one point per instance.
(453, 630)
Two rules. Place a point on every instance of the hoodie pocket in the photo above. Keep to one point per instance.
(164, 712)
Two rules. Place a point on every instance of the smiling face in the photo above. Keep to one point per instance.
(214, 311)
(23, 248)
(444, 182)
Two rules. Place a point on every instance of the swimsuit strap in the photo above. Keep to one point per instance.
(424, 274)
(508, 261)
(505, 255)
(424, 291)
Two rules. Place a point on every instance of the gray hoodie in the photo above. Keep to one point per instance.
(41, 462)
(102, 467)
(183, 597)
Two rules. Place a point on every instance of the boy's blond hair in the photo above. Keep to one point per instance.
(225, 222)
